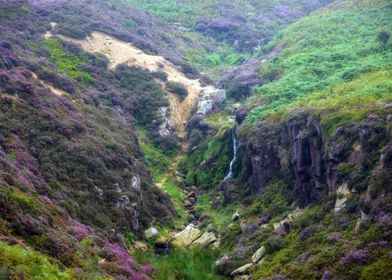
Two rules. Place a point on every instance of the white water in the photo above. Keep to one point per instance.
(234, 139)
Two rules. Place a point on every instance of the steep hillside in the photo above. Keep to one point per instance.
(314, 141)
(74, 180)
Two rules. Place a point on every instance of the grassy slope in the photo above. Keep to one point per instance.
(333, 46)
(213, 54)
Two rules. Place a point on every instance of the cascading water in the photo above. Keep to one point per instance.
(234, 140)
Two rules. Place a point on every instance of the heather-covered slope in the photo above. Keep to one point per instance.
(89, 159)
(73, 177)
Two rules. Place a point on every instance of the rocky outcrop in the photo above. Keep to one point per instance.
(306, 149)
(308, 156)
(208, 100)
(151, 233)
(186, 237)
(205, 240)
(166, 127)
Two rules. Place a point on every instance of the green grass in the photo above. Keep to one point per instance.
(333, 46)
(157, 161)
(190, 264)
(207, 165)
(29, 263)
(220, 217)
(178, 198)
(346, 102)
(67, 63)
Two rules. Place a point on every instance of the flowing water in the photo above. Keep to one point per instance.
(234, 141)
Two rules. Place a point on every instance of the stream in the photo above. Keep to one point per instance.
(234, 141)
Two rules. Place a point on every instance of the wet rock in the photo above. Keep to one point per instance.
(186, 237)
(242, 270)
(258, 254)
(151, 233)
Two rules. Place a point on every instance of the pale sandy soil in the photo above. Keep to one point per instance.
(56, 91)
(122, 52)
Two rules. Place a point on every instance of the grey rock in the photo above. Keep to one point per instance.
(242, 270)
(258, 254)
(151, 233)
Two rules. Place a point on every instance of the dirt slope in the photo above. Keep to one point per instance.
(122, 52)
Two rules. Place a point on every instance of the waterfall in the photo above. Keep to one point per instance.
(234, 140)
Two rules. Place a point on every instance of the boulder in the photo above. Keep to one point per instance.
(258, 254)
(151, 233)
(242, 270)
(236, 216)
(242, 277)
(215, 245)
(186, 237)
(206, 239)
(223, 260)
(210, 228)
(139, 245)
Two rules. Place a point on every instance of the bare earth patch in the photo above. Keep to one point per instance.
(122, 52)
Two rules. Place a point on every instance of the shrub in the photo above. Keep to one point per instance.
(160, 75)
(67, 63)
(178, 89)
(360, 257)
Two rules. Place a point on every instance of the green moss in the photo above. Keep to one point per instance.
(207, 165)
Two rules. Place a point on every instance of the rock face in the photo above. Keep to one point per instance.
(186, 237)
(166, 127)
(307, 151)
(302, 153)
(343, 194)
(209, 97)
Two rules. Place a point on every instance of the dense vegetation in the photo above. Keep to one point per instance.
(343, 45)
(85, 169)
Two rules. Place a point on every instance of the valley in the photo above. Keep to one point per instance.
(173, 140)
